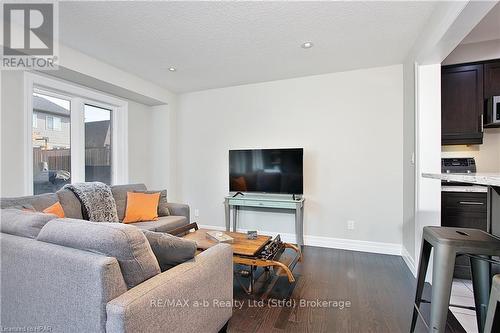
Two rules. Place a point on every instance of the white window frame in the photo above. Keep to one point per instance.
(34, 120)
(78, 96)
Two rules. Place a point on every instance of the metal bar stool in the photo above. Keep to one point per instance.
(448, 243)
(493, 316)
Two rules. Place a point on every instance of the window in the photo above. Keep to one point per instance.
(77, 135)
(98, 143)
(51, 150)
(53, 123)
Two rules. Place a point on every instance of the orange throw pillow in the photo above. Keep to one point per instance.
(141, 207)
(55, 209)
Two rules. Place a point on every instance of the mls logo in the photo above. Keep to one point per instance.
(29, 32)
(28, 29)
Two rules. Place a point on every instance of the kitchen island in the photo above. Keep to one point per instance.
(489, 180)
(486, 179)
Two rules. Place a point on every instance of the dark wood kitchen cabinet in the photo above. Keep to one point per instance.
(462, 104)
(464, 210)
(492, 79)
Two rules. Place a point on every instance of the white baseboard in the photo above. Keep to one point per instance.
(409, 261)
(332, 243)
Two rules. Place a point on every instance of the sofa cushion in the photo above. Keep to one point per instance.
(124, 242)
(71, 205)
(39, 202)
(170, 250)
(163, 224)
(120, 195)
(23, 223)
(141, 207)
(162, 204)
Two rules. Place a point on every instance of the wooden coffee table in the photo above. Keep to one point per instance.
(246, 252)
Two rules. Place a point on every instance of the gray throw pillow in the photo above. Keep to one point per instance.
(170, 250)
(124, 242)
(23, 223)
(162, 204)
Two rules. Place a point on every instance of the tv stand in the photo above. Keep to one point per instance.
(266, 201)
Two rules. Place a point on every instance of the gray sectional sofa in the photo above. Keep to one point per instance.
(73, 209)
(66, 289)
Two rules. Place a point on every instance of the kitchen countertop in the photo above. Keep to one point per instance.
(488, 179)
(473, 188)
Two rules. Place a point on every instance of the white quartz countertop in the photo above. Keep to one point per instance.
(473, 188)
(488, 179)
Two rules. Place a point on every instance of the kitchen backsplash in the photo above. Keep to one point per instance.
(487, 155)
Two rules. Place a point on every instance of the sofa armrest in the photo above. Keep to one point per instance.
(195, 296)
(48, 285)
(178, 209)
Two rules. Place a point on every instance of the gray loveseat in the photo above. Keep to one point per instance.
(69, 290)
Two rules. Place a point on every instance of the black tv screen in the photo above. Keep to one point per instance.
(266, 170)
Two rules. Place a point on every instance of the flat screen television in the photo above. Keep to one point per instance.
(266, 170)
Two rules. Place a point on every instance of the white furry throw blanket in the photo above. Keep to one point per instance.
(98, 204)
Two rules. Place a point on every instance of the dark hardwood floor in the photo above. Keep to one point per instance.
(380, 289)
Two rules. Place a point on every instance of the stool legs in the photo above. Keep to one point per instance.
(442, 279)
(493, 318)
(425, 254)
(480, 270)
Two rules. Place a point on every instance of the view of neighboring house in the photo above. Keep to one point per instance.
(51, 137)
(51, 124)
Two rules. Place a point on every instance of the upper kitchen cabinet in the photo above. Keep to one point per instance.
(462, 103)
(492, 79)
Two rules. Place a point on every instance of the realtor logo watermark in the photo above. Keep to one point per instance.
(30, 35)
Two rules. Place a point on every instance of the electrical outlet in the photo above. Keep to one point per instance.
(350, 225)
(196, 212)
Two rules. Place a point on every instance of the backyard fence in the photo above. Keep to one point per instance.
(60, 159)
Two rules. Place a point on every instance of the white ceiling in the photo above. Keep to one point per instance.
(218, 44)
(487, 29)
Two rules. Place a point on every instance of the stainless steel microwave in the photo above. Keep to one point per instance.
(493, 112)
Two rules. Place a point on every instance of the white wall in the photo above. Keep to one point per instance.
(12, 126)
(471, 52)
(428, 203)
(350, 126)
(151, 143)
(408, 162)
(163, 138)
(140, 152)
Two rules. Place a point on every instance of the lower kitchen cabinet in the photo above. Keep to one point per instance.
(463, 210)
